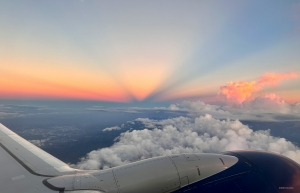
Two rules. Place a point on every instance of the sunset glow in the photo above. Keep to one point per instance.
(80, 50)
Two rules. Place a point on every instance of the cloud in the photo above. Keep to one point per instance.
(173, 107)
(112, 128)
(267, 108)
(275, 78)
(271, 103)
(263, 108)
(38, 142)
(237, 92)
(200, 108)
(185, 135)
(131, 122)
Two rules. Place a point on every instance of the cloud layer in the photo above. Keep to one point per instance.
(269, 107)
(185, 135)
(264, 108)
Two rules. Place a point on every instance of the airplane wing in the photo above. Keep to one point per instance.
(24, 167)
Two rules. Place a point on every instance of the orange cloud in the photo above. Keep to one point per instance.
(237, 92)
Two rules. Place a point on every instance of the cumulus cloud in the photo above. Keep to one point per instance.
(173, 107)
(270, 103)
(131, 122)
(196, 106)
(186, 135)
(112, 128)
(237, 92)
(200, 106)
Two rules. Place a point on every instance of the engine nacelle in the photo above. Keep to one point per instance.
(160, 174)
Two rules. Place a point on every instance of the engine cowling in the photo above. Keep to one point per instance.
(160, 174)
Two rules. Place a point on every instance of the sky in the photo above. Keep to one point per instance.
(150, 51)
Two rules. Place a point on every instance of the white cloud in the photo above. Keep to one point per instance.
(131, 122)
(173, 107)
(112, 128)
(186, 135)
(270, 103)
(38, 142)
(202, 108)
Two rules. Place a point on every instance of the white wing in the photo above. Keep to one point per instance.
(24, 167)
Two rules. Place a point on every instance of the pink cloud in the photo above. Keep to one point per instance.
(274, 78)
(237, 92)
(274, 97)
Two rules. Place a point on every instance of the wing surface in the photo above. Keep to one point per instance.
(32, 158)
